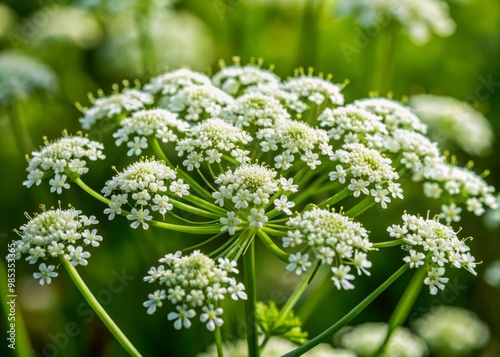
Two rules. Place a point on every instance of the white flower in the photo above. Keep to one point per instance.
(181, 317)
(58, 183)
(237, 290)
(381, 195)
(453, 329)
(314, 89)
(359, 186)
(282, 204)
(179, 188)
(257, 218)
(456, 120)
(91, 237)
(137, 145)
(77, 256)
(46, 274)
(139, 216)
(232, 79)
(340, 174)
(341, 277)
(451, 213)
(361, 263)
(415, 259)
(155, 300)
(435, 280)
(211, 315)
(56, 233)
(298, 263)
(230, 223)
(194, 282)
(128, 100)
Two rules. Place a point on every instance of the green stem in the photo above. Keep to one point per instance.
(145, 43)
(22, 345)
(384, 69)
(251, 302)
(155, 145)
(388, 244)
(218, 341)
(272, 247)
(197, 211)
(308, 40)
(91, 191)
(96, 306)
(359, 208)
(21, 134)
(205, 204)
(403, 307)
(297, 293)
(339, 196)
(208, 229)
(348, 317)
(323, 290)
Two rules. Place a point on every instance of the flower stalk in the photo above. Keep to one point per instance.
(97, 307)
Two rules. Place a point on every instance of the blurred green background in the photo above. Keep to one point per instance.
(93, 44)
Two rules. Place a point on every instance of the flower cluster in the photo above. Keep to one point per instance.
(289, 137)
(233, 79)
(370, 172)
(170, 83)
(452, 331)
(195, 103)
(457, 120)
(433, 245)
(315, 90)
(159, 123)
(394, 114)
(21, 76)
(365, 340)
(194, 284)
(333, 239)
(63, 157)
(459, 184)
(146, 186)
(247, 191)
(419, 19)
(56, 233)
(210, 140)
(352, 124)
(117, 105)
(255, 110)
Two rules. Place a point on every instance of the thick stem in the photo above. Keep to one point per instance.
(251, 302)
(96, 306)
(403, 307)
(339, 196)
(272, 247)
(218, 342)
(323, 290)
(21, 134)
(361, 207)
(388, 244)
(348, 317)
(297, 293)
